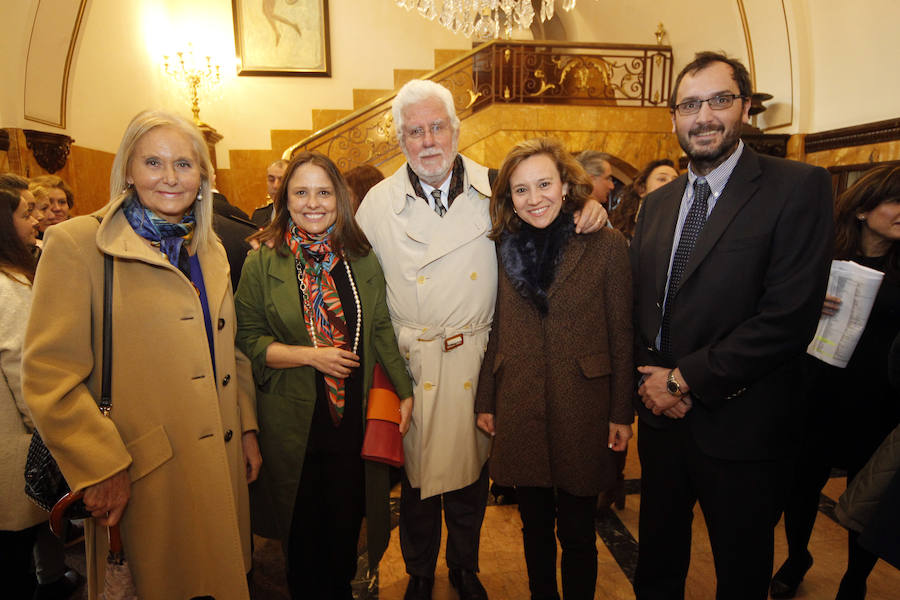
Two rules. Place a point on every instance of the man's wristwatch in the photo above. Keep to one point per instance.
(672, 385)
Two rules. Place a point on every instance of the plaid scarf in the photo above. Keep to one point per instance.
(168, 237)
(317, 259)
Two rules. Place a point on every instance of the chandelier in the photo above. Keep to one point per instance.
(483, 19)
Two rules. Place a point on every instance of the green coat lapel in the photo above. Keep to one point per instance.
(282, 275)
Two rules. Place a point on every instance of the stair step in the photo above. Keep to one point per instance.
(323, 117)
(364, 97)
(442, 57)
(281, 139)
(401, 76)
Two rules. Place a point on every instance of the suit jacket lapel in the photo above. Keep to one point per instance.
(669, 205)
(740, 188)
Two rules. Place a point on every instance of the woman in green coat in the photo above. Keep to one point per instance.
(313, 320)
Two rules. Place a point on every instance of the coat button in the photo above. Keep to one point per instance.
(226, 379)
(221, 324)
(228, 435)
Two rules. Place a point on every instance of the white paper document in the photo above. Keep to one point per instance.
(837, 335)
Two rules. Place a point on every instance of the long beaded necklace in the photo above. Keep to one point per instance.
(307, 305)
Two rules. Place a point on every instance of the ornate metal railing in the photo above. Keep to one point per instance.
(510, 73)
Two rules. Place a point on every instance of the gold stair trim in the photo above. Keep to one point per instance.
(514, 73)
(287, 154)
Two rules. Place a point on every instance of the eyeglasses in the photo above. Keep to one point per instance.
(436, 129)
(721, 102)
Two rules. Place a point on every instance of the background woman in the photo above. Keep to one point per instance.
(172, 461)
(61, 200)
(360, 180)
(655, 175)
(556, 381)
(19, 515)
(41, 211)
(311, 310)
(851, 410)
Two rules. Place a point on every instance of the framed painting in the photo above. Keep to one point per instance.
(282, 37)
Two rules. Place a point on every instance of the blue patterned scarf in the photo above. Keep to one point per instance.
(168, 237)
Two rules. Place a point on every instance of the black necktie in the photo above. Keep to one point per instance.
(693, 225)
(438, 207)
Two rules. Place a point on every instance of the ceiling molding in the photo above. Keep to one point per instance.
(46, 73)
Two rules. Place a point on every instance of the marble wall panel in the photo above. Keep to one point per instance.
(244, 183)
(87, 172)
(855, 155)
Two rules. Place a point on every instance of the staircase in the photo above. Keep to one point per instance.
(584, 94)
(244, 182)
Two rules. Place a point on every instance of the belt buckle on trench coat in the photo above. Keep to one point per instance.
(454, 341)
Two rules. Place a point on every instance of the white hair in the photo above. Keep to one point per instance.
(419, 90)
(142, 124)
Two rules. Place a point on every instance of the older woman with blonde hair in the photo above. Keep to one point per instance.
(556, 380)
(172, 460)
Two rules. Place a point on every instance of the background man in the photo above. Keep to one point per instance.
(597, 165)
(274, 174)
(730, 264)
(428, 225)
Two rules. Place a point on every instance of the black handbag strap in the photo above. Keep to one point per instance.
(105, 392)
(106, 373)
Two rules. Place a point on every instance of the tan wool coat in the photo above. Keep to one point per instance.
(554, 382)
(176, 422)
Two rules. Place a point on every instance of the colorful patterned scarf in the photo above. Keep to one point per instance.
(168, 237)
(317, 259)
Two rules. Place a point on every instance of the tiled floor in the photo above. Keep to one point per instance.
(503, 562)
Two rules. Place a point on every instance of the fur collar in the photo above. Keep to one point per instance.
(530, 257)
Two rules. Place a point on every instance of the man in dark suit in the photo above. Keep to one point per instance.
(221, 206)
(274, 174)
(730, 263)
(234, 231)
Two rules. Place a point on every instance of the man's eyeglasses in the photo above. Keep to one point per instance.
(436, 129)
(721, 102)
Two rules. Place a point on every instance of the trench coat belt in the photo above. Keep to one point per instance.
(434, 341)
(443, 413)
(451, 337)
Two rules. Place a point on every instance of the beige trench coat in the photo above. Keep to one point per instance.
(441, 278)
(175, 424)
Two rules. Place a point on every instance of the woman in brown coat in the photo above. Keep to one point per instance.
(556, 382)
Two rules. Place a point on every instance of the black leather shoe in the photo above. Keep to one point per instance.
(787, 579)
(851, 590)
(419, 588)
(467, 585)
(62, 588)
